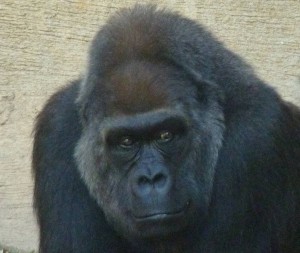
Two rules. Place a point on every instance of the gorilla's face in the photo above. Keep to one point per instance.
(148, 158)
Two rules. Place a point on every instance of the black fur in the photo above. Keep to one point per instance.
(243, 159)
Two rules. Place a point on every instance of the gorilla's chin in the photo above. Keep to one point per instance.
(160, 227)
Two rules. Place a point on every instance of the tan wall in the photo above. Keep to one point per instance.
(43, 45)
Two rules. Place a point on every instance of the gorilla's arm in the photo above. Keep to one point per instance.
(259, 173)
(69, 218)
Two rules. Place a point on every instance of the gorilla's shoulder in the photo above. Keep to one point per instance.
(290, 128)
(57, 126)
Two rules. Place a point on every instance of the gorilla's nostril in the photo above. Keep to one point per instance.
(143, 180)
(159, 180)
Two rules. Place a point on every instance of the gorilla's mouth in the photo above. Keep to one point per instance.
(162, 223)
(163, 215)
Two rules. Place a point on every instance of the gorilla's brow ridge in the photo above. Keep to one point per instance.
(146, 121)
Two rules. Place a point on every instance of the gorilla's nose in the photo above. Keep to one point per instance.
(151, 181)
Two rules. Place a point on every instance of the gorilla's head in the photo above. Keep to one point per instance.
(152, 132)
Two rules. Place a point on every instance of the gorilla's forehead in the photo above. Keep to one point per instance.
(140, 86)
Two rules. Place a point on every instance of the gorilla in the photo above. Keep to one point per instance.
(168, 144)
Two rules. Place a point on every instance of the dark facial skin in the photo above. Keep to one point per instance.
(147, 152)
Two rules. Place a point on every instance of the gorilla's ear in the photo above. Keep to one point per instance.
(83, 114)
(82, 100)
(85, 100)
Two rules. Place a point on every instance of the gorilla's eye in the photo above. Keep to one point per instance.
(165, 136)
(126, 142)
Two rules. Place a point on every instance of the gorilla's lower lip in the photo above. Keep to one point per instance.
(163, 215)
